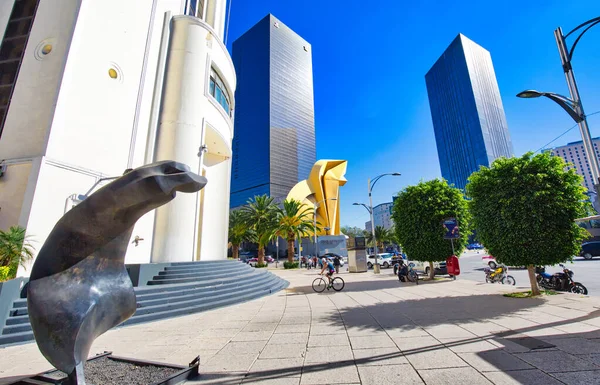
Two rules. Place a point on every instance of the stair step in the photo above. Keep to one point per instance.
(16, 338)
(204, 295)
(238, 265)
(206, 306)
(18, 311)
(20, 303)
(190, 301)
(153, 289)
(17, 320)
(12, 329)
(252, 280)
(213, 275)
(205, 271)
(205, 263)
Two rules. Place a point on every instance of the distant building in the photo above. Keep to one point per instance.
(368, 226)
(575, 154)
(274, 141)
(382, 215)
(466, 109)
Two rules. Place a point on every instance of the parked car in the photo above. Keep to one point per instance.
(245, 256)
(590, 250)
(384, 259)
(490, 261)
(439, 267)
(254, 261)
(475, 246)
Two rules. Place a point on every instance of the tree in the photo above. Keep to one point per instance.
(294, 221)
(260, 215)
(418, 214)
(239, 232)
(15, 249)
(352, 232)
(524, 211)
(382, 235)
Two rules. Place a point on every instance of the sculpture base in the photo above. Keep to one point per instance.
(106, 369)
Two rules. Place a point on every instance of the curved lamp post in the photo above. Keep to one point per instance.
(572, 105)
(370, 207)
(316, 205)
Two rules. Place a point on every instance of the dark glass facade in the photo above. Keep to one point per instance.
(274, 130)
(466, 109)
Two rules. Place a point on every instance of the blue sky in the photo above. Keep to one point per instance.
(370, 60)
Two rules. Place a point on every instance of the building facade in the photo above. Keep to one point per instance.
(574, 154)
(274, 142)
(91, 88)
(382, 215)
(466, 110)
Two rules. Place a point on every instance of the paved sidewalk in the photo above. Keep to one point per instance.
(376, 331)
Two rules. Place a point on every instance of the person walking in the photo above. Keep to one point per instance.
(336, 264)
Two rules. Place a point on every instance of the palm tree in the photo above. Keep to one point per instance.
(260, 215)
(294, 221)
(381, 234)
(15, 249)
(239, 232)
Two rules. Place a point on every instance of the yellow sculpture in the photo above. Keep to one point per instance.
(322, 185)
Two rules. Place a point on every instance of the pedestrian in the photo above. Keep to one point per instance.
(336, 264)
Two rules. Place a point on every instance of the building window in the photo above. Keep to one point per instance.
(12, 49)
(218, 91)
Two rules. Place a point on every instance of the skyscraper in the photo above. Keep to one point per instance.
(578, 160)
(274, 141)
(466, 109)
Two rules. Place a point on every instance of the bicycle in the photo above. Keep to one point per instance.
(319, 284)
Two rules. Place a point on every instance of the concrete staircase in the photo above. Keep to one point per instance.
(181, 288)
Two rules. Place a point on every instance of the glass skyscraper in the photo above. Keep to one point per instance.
(466, 109)
(274, 136)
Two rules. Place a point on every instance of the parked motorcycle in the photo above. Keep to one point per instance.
(499, 274)
(562, 281)
(406, 273)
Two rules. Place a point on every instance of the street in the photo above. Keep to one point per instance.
(586, 272)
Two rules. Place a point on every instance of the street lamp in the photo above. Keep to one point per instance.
(316, 205)
(370, 208)
(573, 105)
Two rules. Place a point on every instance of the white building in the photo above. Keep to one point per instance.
(91, 88)
(382, 215)
(575, 154)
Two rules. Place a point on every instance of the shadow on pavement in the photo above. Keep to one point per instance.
(372, 285)
(427, 312)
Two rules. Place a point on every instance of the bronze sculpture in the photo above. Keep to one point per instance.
(79, 287)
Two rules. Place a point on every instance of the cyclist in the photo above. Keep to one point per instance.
(329, 266)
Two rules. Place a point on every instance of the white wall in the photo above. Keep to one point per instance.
(32, 104)
(215, 210)
(189, 118)
(49, 200)
(13, 186)
(94, 117)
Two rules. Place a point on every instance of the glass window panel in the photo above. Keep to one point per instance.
(13, 49)
(23, 8)
(18, 28)
(8, 72)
